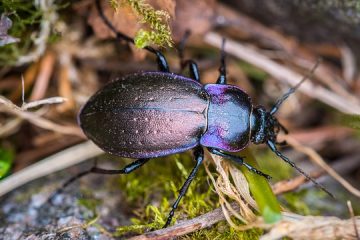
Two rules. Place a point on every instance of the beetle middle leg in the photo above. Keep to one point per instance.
(238, 160)
(126, 170)
(199, 157)
(193, 67)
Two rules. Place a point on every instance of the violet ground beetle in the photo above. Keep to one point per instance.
(153, 114)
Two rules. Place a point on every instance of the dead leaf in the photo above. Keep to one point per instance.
(196, 16)
(124, 19)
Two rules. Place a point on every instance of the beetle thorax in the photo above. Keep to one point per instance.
(263, 125)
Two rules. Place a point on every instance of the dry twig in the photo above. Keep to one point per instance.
(311, 227)
(351, 210)
(56, 162)
(35, 119)
(316, 158)
(188, 226)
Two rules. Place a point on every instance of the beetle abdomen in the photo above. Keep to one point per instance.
(146, 115)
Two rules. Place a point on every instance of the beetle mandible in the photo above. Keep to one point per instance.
(153, 114)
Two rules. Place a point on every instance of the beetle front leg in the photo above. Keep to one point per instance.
(199, 157)
(126, 170)
(161, 60)
(222, 77)
(238, 160)
(193, 69)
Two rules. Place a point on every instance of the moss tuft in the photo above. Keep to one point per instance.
(159, 33)
(25, 18)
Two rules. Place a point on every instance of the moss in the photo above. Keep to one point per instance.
(90, 204)
(26, 18)
(294, 201)
(156, 186)
(157, 20)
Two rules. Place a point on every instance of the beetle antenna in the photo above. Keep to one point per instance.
(275, 108)
(292, 164)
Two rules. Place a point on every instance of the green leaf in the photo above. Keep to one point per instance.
(260, 189)
(6, 161)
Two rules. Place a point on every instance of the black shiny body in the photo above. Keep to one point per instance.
(152, 114)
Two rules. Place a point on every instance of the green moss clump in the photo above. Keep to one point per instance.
(156, 186)
(25, 18)
(160, 33)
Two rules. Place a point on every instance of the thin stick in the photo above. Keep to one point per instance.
(36, 119)
(352, 215)
(341, 166)
(56, 162)
(203, 221)
(316, 158)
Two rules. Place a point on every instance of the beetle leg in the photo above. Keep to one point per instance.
(222, 77)
(239, 160)
(193, 67)
(181, 48)
(126, 170)
(161, 60)
(273, 148)
(199, 156)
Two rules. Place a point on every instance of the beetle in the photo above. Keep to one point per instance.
(152, 114)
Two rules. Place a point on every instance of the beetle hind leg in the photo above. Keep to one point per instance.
(238, 160)
(126, 170)
(199, 157)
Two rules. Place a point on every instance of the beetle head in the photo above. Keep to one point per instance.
(264, 126)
